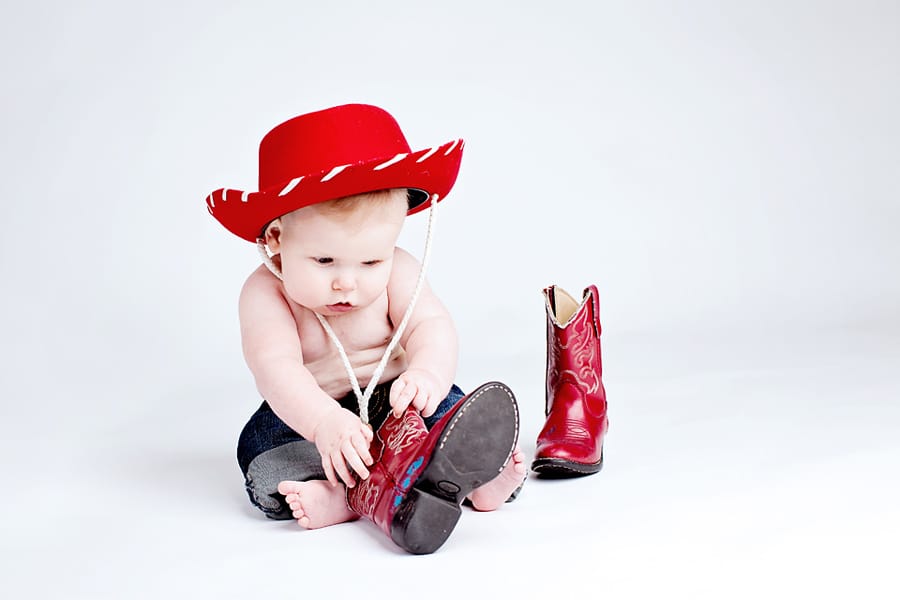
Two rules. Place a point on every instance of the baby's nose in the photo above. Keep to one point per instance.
(344, 282)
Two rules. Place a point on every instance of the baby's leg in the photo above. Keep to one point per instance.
(495, 492)
(317, 504)
(270, 452)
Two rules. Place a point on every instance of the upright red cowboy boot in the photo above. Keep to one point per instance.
(571, 442)
(420, 477)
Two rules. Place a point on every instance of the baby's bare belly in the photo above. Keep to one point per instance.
(365, 352)
(332, 377)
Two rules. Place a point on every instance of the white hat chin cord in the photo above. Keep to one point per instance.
(364, 397)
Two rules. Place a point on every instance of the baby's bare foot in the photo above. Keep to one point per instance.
(316, 503)
(495, 492)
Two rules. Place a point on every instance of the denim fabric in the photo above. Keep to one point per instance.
(269, 451)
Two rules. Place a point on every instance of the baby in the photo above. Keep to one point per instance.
(324, 309)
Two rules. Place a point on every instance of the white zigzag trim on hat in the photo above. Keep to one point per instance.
(293, 183)
(427, 155)
(334, 172)
(244, 196)
(224, 194)
(452, 146)
(396, 159)
(211, 201)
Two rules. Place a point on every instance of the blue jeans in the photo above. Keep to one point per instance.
(269, 451)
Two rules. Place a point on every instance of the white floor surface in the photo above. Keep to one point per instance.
(735, 468)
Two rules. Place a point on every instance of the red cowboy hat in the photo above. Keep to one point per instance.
(336, 152)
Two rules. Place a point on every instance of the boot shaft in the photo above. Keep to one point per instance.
(573, 343)
(396, 448)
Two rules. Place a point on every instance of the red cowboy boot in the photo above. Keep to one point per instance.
(571, 442)
(421, 476)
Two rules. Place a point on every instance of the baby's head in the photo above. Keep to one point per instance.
(336, 256)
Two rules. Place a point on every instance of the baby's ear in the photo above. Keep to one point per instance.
(273, 236)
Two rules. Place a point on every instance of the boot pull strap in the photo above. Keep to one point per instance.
(364, 397)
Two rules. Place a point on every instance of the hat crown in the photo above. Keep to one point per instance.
(320, 141)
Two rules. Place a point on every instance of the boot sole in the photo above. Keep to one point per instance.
(473, 448)
(560, 467)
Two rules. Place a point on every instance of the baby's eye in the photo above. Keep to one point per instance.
(323, 260)
(370, 263)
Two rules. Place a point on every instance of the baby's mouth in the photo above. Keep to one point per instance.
(340, 307)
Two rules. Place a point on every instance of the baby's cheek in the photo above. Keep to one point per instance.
(377, 283)
(300, 288)
(383, 275)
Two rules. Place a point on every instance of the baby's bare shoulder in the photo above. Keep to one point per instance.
(268, 325)
(404, 272)
(261, 281)
(405, 264)
(262, 293)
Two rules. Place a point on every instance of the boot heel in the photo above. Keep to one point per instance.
(423, 522)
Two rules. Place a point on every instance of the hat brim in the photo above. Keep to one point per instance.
(426, 173)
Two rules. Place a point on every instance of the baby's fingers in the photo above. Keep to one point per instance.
(368, 434)
(421, 400)
(361, 445)
(430, 406)
(340, 467)
(329, 471)
(402, 393)
(355, 461)
(396, 388)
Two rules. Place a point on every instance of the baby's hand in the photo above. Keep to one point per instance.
(343, 442)
(419, 388)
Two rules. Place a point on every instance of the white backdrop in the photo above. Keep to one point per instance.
(724, 172)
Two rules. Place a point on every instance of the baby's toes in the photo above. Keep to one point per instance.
(519, 461)
(288, 487)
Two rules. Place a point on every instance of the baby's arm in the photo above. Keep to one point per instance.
(273, 352)
(430, 341)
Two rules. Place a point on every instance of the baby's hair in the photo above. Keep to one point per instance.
(348, 204)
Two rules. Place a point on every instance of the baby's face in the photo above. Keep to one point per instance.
(334, 264)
